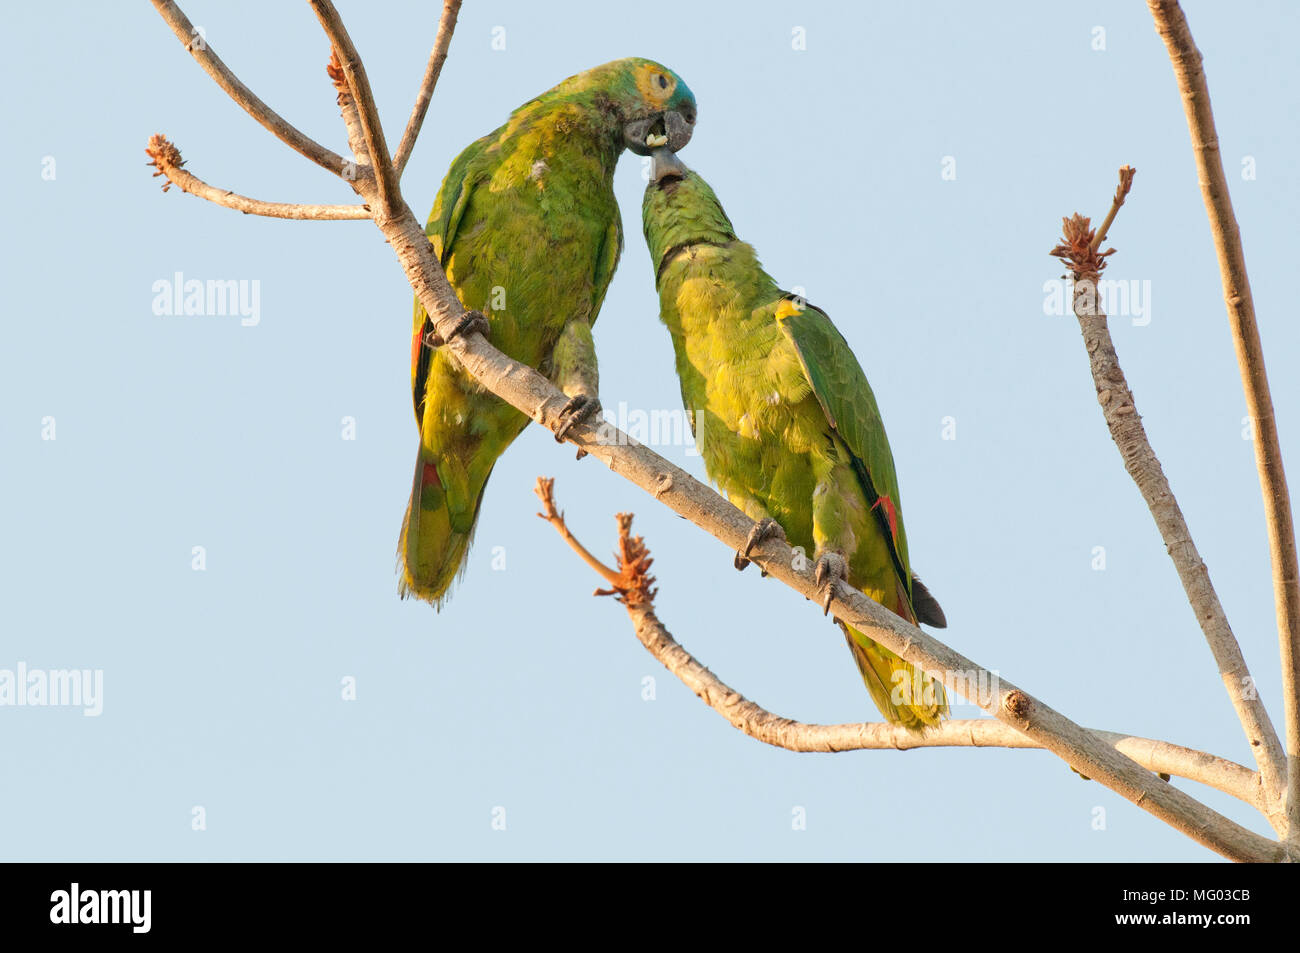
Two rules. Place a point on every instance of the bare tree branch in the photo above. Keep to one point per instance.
(1186, 58)
(1122, 190)
(351, 118)
(1079, 251)
(527, 390)
(282, 129)
(166, 158)
(749, 717)
(359, 86)
(544, 488)
(446, 26)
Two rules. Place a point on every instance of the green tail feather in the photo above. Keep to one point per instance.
(902, 699)
(431, 550)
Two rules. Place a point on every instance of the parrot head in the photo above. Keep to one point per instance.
(680, 210)
(654, 110)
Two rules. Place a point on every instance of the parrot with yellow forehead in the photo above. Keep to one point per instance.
(786, 424)
(528, 230)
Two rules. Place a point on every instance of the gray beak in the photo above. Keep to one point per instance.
(673, 125)
(666, 165)
(679, 127)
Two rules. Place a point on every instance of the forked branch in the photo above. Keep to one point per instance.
(166, 158)
(1078, 249)
(197, 46)
(629, 576)
(349, 60)
(1186, 58)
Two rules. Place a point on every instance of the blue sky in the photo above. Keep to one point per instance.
(222, 688)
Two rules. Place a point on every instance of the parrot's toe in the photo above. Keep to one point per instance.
(765, 529)
(830, 571)
(579, 408)
(469, 321)
(472, 321)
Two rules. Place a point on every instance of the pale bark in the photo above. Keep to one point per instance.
(1140, 460)
(1162, 757)
(358, 84)
(167, 160)
(1172, 27)
(1080, 250)
(446, 26)
(281, 128)
(351, 120)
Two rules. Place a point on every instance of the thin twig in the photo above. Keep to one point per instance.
(359, 86)
(446, 26)
(1173, 29)
(351, 116)
(1078, 250)
(1122, 190)
(166, 158)
(543, 489)
(631, 583)
(281, 128)
(762, 725)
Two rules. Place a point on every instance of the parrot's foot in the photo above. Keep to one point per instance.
(830, 571)
(765, 529)
(579, 408)
(469, 321)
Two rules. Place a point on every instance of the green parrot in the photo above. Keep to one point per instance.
(786, 424)
(528, 230)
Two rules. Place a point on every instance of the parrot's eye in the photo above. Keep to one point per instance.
(655, 84)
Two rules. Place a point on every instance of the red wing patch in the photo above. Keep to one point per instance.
(429, 476)
(903, 608)
(891, 514)
(421, 357)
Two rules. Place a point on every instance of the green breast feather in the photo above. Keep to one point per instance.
(787, 423)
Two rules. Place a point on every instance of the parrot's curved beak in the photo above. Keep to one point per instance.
(666, 166)
(672, 129)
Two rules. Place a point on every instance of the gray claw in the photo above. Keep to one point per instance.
(764, 529)
(470, 321)
(579, 408)
(831, 569)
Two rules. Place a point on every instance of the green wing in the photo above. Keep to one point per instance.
(841, 388)
(611, 248)
(464, 176)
